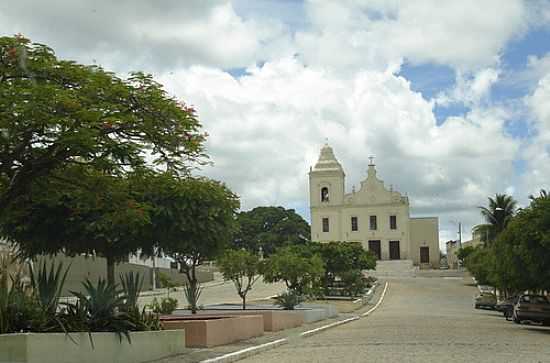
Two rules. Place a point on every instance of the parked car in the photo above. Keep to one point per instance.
(534, 308)
(485, 300)
(506, 306)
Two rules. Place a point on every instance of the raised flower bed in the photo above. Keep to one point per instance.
(203, 331)
(107, 347)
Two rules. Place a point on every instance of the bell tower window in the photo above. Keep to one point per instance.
(324, 194)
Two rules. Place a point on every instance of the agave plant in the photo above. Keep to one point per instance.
(47, 285)
(192, 293)
(104, 305)
(131, 287)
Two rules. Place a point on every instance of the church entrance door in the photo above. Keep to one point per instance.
(394, 250)
(374, 247)
(424, 254)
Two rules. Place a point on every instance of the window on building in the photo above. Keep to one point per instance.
(393, 222)
(354, 226)
(324, 194)
(325, 225)
(373, 223)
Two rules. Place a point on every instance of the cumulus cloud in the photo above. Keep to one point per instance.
(465, 35)
(267, 128)
(126, 35)
(335, 76)
(537, 151)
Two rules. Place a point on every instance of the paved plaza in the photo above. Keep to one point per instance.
(422, 320)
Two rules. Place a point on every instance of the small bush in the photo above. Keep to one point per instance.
(166, 305)
(289, 300)
(354, 283)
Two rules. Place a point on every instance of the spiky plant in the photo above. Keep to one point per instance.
(47, 286)
(131, 283)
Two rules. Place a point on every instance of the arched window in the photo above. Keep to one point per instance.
(324, 194)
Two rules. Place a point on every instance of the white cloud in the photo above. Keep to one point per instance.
(470, 90)
(537, 152)
(126, 35)
(465, 35)
(267, 128)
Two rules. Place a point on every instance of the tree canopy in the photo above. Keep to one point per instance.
(497, 214)
(55, 113)
(99, 216)
(270, 228)
(519, 257)
(192, 220)
(300, 270)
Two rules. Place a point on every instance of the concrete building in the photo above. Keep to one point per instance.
(374, 215)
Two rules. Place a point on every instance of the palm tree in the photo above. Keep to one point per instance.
(499, 212)
(543, 194)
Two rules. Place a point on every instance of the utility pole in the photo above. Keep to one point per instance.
(459, 234)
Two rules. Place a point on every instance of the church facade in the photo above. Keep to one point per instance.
(376, 216)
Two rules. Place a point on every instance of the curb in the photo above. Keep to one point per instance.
(241, 354)
(247, 352)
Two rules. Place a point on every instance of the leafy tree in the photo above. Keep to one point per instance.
(71, 136)
(243, 268)
(464, 252)
(99, 216)
(543, 194)
(523, 249)
(192, 220)
(480, 263)
(55, 113)
(342, 257)
(300, 270)
(498, 214)
(270, 228)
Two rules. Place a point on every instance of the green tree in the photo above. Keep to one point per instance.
(300, 270)
(497, 214)
(55, 112)
(100, 217)
(192, 220)
(480, 263)
(243, 268)
(523, 249)
(543, 194)
(270, 228)
(67, 131)
(464, 252)
(342, 257)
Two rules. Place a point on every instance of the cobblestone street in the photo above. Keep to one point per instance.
(422, 320)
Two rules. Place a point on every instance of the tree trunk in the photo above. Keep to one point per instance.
(110, 270)
(244, 302)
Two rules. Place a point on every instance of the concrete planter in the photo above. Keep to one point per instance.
(316, 312)
(58, 348)
(202, 331)
(274, 320)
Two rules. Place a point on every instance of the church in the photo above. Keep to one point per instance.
(374, 215)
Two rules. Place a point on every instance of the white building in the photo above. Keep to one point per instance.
(373, 215)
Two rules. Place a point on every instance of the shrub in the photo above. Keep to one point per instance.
(354, 283)
(166, 306)
(289, 300)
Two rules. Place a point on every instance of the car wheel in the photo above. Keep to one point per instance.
(546, 323)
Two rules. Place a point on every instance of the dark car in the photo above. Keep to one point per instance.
(506, 306)
(485, 300)
(534, 308)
